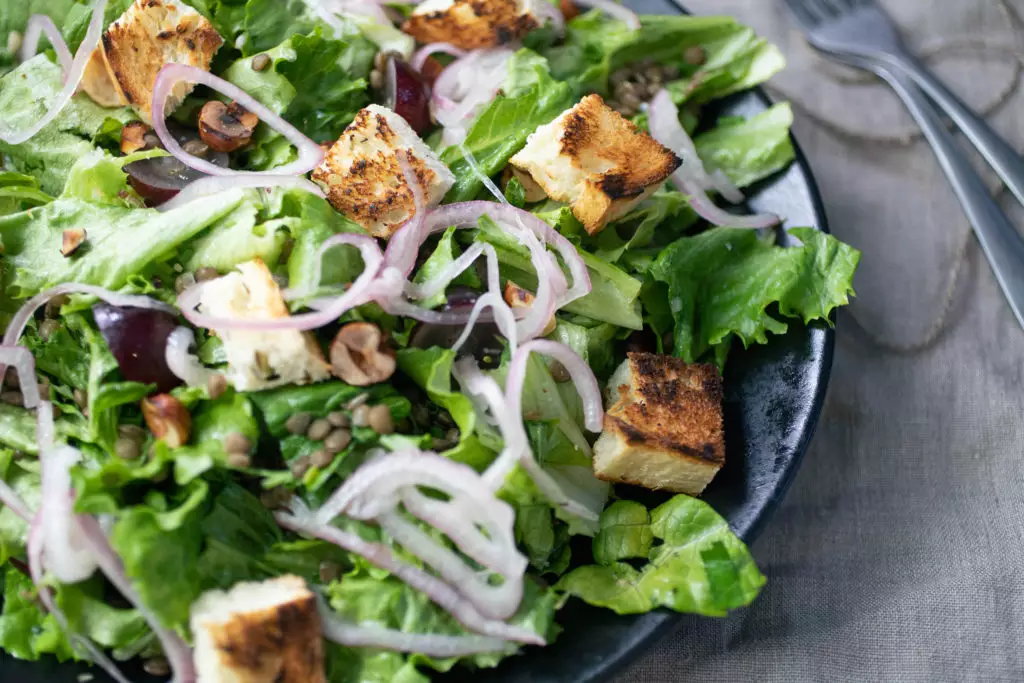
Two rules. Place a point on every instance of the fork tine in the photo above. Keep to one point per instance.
(804, 15)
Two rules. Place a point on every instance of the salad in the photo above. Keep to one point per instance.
(342, 338)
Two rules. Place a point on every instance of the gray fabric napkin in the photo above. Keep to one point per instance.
(898, 555)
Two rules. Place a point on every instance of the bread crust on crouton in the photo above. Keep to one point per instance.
(150, 34)
(616, 164)
(363, 176)
(472, 24)
(664, 429)
(282, 643)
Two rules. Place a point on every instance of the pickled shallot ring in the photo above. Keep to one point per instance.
(310, 153)
(72, 79)
(39, 25)
(691, 178)
(421, 56)
(615, 10)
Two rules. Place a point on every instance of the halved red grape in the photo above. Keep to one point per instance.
(484, 342)
(406, 94)
(159, 180)
(138, 339)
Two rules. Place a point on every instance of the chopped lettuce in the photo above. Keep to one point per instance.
(698, 564)
(25, 94)
(748, 151)
(722, 282)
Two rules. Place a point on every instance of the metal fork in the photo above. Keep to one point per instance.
(858, 33)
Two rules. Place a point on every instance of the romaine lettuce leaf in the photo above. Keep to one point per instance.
(697, 566)
(444, 255)
(26, 631)
(25, 94)
(19, 191)
(751, 150)
(721, 283)
(122, 242)
(14, 16)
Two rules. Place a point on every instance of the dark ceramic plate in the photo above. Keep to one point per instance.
(773, 395)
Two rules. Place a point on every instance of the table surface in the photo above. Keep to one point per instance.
(898, 554)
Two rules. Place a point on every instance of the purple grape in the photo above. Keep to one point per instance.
(138, 339)
(406, 94)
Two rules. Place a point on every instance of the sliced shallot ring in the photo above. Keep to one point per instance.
(503, 318)
(21, 359)
(39, 25)
(204, 187)
(691, 178)
(581, 374)
(310, 153)
(182, 363)
(72, 79)
(614, 10)
(80, 642)
(434, 588)
(421, 56)
(348, 634)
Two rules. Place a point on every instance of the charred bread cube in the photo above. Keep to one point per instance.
(363, 177)
(257, 359)
(594, 159)
(267, 632)
(473, 24)
(150, 34)
(663, 428)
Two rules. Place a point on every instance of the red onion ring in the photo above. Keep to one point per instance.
(348, 634)
(421, 55)
(72, 79)
(66, 557)
(182, 363)
(691, 178)
(464, 85)
(581, 374)
(503, 318)
(38, 25)
(374, 491)
(20, 358)
(553, 14)
(434, 588)
(178, 654)
(614, 10)
(310, 153)
(78, 641)
(204, 187)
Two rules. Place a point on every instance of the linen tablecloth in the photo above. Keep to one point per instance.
(898, 554)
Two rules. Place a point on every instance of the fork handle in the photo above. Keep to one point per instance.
(1002, 157)
(999, 239)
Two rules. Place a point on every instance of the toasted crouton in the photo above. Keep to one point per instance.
(261, 360)
(363, 176)
(663, 429)
(472, 24)
(150, 34)
(594, 159)
(267, 632)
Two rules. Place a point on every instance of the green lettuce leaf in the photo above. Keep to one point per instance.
(26, 631)
(750, 150)
(121, 243)
(699, 565)
(19, 191)
(721, 283)
(625, 533)
(25, 94)
(443, 256)
(15, 16)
